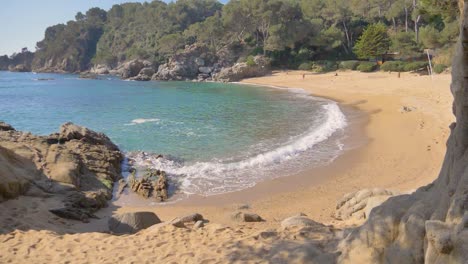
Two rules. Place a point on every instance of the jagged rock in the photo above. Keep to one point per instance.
(242, 70)
(358, 205)
(6, 127)
(144, 75)
(184, 65)
(100, 69)
(180, 221)
(74, 159)
(88, 75)
(129, 223)
(19, 68)
(153, 184)
(131, 68)
(246, 217)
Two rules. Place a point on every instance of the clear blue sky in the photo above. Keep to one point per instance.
(23, 22)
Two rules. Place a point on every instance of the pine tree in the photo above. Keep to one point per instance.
(373, 43)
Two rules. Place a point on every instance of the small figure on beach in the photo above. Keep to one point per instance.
(303, 76)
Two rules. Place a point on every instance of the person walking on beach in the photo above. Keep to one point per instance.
(303, 76)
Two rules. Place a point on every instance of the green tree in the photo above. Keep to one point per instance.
(373, 43)
(170, 44)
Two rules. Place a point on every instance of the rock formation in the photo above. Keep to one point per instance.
(152, 184)
(244, 70)
(77, 164)
(358, 205)
(187, 64)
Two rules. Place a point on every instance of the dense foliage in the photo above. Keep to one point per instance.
(290, 32)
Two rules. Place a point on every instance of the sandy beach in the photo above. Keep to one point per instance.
(398, 130)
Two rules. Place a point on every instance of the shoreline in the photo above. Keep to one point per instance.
(402, 150)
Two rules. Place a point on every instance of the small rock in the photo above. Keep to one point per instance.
(180, 221)
(246, 217)
(199, 224)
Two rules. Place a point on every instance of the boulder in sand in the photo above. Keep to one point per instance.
(129, 223)
(246, 217)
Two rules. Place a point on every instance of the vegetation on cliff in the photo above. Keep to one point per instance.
(289, 32)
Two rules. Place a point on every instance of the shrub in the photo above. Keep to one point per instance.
(367, 67)
(415, 66)
(392, 66)
(306, 66)
(440, 68)
(324, 66)
(349, 65)
(250, 61)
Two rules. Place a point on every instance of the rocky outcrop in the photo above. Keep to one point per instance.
(145, 74)
(100, 69)
(129, 223)
(239, 71)
(131, 68)
(430, 225)
(77, 164)
(19, 68)
(187, 64)
(152, 185)
(358, 205)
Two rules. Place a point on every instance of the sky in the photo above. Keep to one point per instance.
(23, 22)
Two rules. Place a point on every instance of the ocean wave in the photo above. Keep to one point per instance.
(142, 121)
(208, 178)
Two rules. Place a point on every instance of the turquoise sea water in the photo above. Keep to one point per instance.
(215, 137)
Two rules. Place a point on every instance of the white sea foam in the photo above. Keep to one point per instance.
(216, 177)
(142, 121)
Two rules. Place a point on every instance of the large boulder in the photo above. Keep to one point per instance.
(131, 68)
(239, 71)
(145, 74)
(358, 205)
(129, 223)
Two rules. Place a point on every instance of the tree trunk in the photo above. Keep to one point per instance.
(406, 19)
(416, 28)
(348, 40)
(394, 24)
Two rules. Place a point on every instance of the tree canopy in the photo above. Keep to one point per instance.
(288, 31)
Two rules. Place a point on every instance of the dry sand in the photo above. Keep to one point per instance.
(397, 150)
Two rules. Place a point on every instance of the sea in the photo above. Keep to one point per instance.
(214, 137)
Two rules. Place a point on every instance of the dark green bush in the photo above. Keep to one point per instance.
(415, 66)
(349, 65)
(367, 67)
(440, 68)
(392, 66)
(324, 66)
(306, 66)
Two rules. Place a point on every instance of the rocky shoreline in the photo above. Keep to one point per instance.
(194, 63)
(76, 165)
